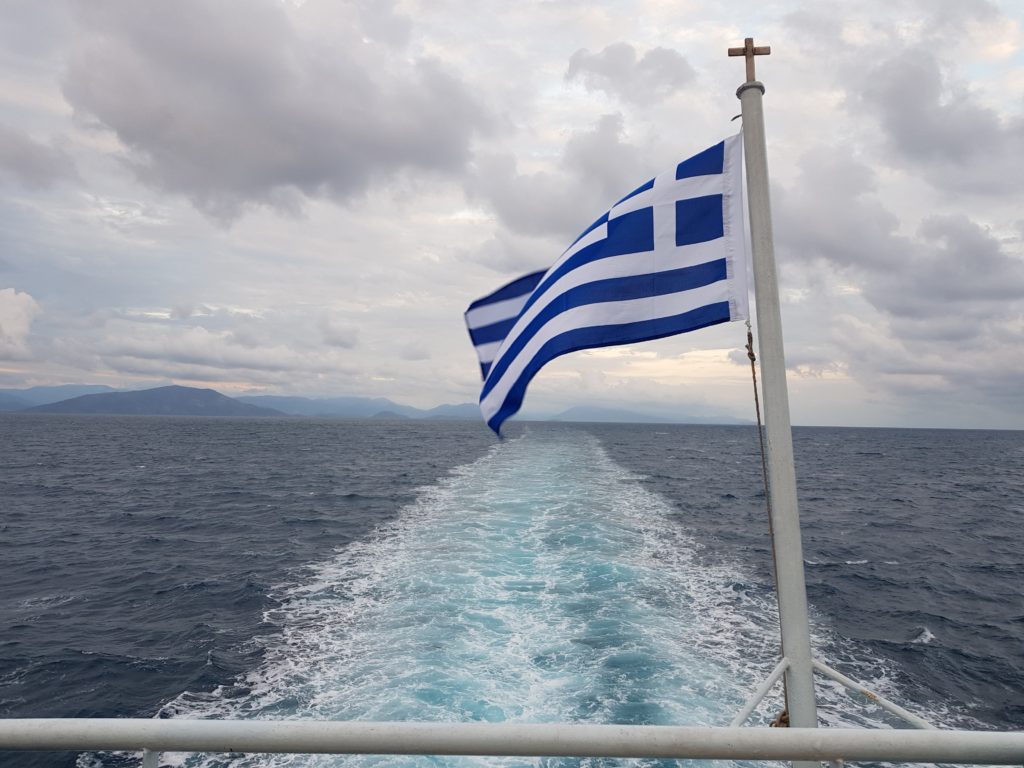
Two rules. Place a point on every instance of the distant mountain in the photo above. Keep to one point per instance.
(160, 401)
(461, 411)
(19, 399)
(191, 401)
(359, 407)
(13, 402)
(596, 414)
(333, 407)
(390, 416)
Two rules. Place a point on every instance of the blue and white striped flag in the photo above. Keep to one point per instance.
(491, 318)
(669, 257)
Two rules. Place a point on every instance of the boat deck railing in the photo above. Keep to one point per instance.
(151, 737)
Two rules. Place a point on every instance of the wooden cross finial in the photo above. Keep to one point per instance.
(750, 51)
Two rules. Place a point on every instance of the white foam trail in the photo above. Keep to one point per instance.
(541, 583)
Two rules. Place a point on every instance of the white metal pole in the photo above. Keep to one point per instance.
(884, 703)
(759, 694)
(789, 560)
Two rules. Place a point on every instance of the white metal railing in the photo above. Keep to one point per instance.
(512, 739)
(819, 666)
(152, 736)
(760, 693)
(884, 703)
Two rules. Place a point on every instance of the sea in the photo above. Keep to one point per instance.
(417, 570)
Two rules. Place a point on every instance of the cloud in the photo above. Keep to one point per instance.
(509, 253)
(617, 71)
(954, 301)
(595, 169)
(939, 126)
(237, 103)
(32, 163)
(338, 334)
(31, 30)
(912, 314)
(600, 159)
(17, 310)
(831, 212)
(126, 344)
(381, 22)
(414, 351)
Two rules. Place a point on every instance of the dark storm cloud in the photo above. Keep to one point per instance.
(941, 129)
(232, 104)
(616, 70)
(32, 163)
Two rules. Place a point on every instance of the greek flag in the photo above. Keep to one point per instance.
(669, 257)
(491, 318)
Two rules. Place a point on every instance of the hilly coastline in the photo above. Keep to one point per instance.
(161, 401)
(178, 400)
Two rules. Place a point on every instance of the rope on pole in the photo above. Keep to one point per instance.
(782, 719)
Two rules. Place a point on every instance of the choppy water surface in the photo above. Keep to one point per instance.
(421, 571)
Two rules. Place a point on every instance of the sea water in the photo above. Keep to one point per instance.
(423, 571)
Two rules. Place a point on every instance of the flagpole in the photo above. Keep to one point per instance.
(789, 560)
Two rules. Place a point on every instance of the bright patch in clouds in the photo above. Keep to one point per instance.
(16, 313)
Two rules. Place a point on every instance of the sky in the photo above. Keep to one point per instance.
(283, 197)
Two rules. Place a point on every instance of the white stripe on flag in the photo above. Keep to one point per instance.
(496, 312)
(487, 352)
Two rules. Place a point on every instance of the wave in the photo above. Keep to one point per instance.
(923, 637)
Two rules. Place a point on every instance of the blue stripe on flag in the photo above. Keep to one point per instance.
(517, 287)
(698, 219)
(602, 220)
(491, 333)
(707, 163)
(637, 191)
